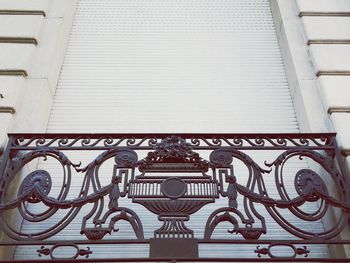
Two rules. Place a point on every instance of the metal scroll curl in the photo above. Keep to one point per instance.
(243, 216)
(125, 163)
(174, 182)
(311, 188)
(35, 189)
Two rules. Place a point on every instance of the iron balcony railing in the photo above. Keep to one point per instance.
(242, 181)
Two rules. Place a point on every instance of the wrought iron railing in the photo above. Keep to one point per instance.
(173, 176)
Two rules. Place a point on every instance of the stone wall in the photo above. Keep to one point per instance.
(327, 31)
(33, 36)
(315, 39)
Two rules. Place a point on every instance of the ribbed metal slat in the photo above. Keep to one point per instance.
(172, 66)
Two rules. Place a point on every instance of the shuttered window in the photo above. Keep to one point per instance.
(173, 66)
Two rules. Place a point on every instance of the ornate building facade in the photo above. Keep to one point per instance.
(176, 67)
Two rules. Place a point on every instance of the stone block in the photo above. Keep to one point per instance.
(53, 41)
(46, 49)
(5, 120)
(330, 57)
(24, 4)
(61, 8)
(35, 106)
(21, 26)
(327, 28)
(16, 56)
(323, 5)
(335, 90)
(287, 9)
(310, 111)
(341, 123)
(10, 90)
(292, 39)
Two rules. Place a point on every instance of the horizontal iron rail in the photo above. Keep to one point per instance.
(246, 141)
(194, 147)
(200, 241)
(178, 260)
(165, 135)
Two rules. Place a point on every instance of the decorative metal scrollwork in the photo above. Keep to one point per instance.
(45, 251)
(295, 251)
(39, 180)
(126, 158)
(308, 184)
(174, 177)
